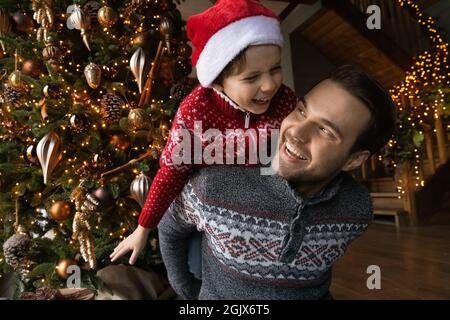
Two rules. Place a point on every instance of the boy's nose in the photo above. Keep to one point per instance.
(268, 84)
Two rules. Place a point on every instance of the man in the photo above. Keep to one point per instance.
(277, 237)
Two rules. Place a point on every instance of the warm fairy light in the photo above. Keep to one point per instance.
(429, 69)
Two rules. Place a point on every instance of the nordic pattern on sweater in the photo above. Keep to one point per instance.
(262, 240)
(214, 111)
(251, 245)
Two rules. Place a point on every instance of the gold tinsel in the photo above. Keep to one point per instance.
(85, 206)
(44, 16)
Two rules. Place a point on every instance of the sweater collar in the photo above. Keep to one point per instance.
(327, 193)
(228, 106)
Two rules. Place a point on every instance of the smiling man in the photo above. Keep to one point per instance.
(277, 237)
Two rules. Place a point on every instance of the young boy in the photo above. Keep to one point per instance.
(238, 60)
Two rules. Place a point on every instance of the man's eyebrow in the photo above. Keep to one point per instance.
(323, 120)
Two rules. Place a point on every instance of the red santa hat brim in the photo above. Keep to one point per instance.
(231, 40)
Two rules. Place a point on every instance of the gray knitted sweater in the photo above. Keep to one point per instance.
(262, 240)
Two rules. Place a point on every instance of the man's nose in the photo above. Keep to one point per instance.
(301, 132)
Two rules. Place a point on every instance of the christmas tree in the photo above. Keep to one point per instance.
(88, 89)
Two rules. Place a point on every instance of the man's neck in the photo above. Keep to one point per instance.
(310, 189)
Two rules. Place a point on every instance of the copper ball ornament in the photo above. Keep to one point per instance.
(33, 68)
(22, 23)
(60, 211)
(63, 264)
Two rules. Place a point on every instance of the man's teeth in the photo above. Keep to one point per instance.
(293, 152)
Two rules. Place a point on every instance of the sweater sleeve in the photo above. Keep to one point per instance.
(174, 169)
(173, 235)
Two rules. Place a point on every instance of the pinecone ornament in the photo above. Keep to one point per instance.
(15, 129)
(112, 107)
(15, 250)
(12, 96)
(91, 8)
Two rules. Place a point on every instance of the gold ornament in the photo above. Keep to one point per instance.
(49, 153)
(79, 20)
(107, 17)
(138, 119)
(51, 51)
(85, 206)
(138, 64)
(63, 264)
(60, 211)
(5, 25)
(139, 188)
(15, 79)
(93, 74)
(44, 16)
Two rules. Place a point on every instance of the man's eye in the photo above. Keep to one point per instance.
(302, 112)
(327, 132)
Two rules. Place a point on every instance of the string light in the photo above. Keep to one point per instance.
(429, 70)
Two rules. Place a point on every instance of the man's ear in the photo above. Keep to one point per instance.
(356, 159)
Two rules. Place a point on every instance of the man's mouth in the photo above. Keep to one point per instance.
(293, 152)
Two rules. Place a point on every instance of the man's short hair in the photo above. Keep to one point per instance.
(376, 99)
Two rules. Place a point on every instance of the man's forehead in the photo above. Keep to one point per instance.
(334, 103)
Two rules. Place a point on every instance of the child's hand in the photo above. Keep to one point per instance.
(135, 242)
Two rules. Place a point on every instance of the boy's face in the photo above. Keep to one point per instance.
(257, 81)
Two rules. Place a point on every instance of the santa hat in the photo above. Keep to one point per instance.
(223, 31)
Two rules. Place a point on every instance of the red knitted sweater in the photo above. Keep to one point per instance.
(207, 108)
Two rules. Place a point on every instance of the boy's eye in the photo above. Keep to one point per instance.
(276, 69)
(251, 78)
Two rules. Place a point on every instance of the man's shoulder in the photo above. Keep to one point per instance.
(355, 197)
(224, 175)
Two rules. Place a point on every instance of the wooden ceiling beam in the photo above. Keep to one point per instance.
(358, 21)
